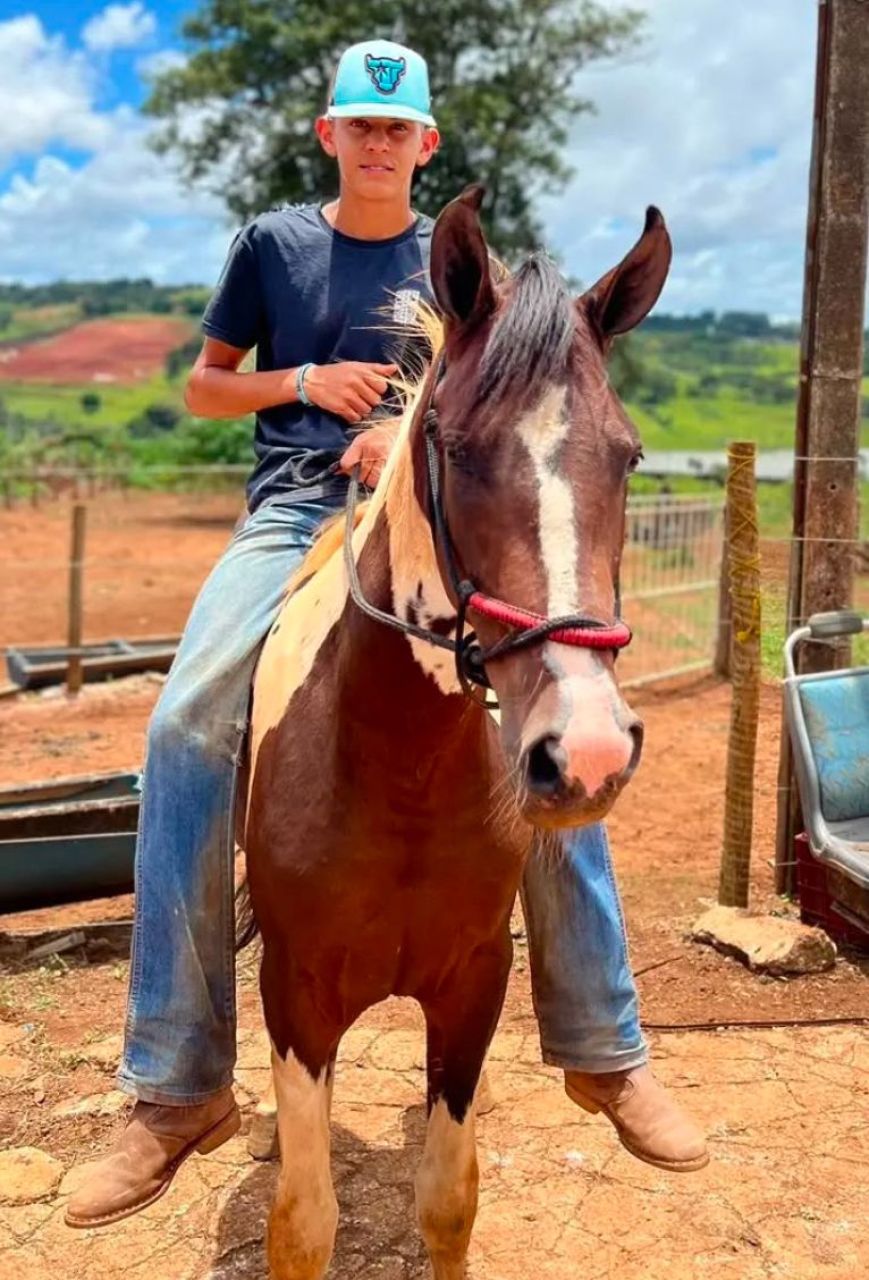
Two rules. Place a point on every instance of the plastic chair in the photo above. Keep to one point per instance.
(828, 720)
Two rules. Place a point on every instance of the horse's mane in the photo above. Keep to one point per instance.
(409, 387)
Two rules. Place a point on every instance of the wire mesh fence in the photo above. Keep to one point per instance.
(149, 549)
(671, 570)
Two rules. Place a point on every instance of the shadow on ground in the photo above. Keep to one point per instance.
(377, 1226)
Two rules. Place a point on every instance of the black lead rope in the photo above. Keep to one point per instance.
(356, 593)
(297, 468)
(470, 658)
(469, 668)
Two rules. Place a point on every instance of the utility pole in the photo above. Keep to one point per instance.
(826, 467)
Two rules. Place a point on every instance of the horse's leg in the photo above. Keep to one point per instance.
(304, 1216)
(262, 1141)
(484, 1099)
(460, 1027)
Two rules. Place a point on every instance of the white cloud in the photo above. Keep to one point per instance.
(45, 92)
(123, 213)
(711, 120)
(154, 64)
(119, 26)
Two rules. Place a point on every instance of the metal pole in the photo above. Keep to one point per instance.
(74, 672)
(828, 410)
(743, 557)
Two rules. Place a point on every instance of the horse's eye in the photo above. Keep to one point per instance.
(459, 456)
(635, 461)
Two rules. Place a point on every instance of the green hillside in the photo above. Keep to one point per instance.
(699, 390)
(689, 383)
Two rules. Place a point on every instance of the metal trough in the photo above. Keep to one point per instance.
(36, 666)
(68, 839)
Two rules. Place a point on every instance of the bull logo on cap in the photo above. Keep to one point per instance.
(385, 73)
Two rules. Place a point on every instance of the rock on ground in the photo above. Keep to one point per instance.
(104, 1053)
(12, 1068)
(10, 1033)
(27, 1174)
(766, 943)
(99, 1104)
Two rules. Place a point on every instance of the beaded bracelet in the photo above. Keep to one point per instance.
(301, 374)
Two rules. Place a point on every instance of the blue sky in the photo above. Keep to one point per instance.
(710, 119)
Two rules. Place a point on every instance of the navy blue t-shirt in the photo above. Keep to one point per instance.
(298, 290)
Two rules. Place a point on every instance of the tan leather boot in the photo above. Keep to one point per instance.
(146, 1157)
(648, 1122)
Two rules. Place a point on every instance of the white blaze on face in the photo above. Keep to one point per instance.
(583, 706)
(543, 431)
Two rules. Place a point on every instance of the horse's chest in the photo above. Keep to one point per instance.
(392, 918)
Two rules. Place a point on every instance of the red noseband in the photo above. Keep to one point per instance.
(614, 637)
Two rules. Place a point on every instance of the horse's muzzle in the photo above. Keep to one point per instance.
(565, 782)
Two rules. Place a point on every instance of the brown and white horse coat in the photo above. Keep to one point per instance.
(379, 862)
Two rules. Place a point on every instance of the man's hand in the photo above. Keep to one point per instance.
(350, 389)
(370, 449)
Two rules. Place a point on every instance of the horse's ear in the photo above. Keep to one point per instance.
(460, 273)
(626, 295)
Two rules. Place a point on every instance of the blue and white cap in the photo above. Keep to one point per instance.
(380, 78)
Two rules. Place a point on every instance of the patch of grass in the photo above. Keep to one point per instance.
(31, 322)
(710, 423)
(60, 405)
(724, 388)
(773, 630)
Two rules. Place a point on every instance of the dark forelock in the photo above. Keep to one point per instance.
(531, 341)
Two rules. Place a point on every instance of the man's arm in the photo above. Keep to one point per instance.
(216, 388)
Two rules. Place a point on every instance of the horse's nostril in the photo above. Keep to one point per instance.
(636, 732)
(545, 765)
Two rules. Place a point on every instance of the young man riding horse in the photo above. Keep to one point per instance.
(320, 291)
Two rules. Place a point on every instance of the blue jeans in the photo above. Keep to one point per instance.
(180, 1030)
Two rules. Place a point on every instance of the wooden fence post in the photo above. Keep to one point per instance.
(74, 671)
(744, 563)
(721, 657)
(826, 471)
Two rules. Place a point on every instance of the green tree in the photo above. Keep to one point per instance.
(657, 385)
(180, 359)
(503, 76)
(626, 368)
(155, 419)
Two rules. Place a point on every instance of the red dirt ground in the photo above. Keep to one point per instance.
(787, 1109)
(146, 554)
(96, 351)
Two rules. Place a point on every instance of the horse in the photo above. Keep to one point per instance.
(388, 815)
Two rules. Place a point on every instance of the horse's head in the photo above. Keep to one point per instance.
(536, 450)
